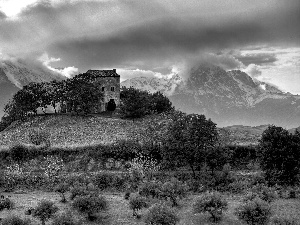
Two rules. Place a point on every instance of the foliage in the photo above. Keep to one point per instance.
(174, 189)
(254, 212)
(15, 220)
(188, 139)
(89, 205)
(150, 188)
(263, 192)
(6, 203)
(62, 188)
(280, 155)
(211, 202)
(160, 214)
(136, 103)
(44, 210)
(38, 137)
(66, 218)
(18, 152)
(137, 202)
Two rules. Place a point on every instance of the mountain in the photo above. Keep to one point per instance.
(228, 98)
(15, 74)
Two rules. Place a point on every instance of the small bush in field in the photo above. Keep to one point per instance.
(159, 214)
(62, 188)
(211, 202)
(283, 221)
(89, 206)
(265, 193)
(65, 218)
(6, 204)
(38, 137)
(150, 188)
(254, 211)
(174, 189)
(18, 152)
(136, 203)
(15, 220)
(78, 191)
(104, 180)
(44, 211)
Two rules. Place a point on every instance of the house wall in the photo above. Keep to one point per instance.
(107, 83)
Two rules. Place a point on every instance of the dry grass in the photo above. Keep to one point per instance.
(120, 214)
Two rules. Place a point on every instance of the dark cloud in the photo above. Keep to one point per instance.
(149, 34)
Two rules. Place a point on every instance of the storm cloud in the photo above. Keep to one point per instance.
(146, 34)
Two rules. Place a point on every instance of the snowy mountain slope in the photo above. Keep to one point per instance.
(228, 98)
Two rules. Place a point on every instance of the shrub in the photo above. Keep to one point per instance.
(78, 191)
(254, 211)
(62, 188)
(211, 202)
(265, 193)
(18, 152)
(15, 220)
(38, 137)
(104, 180)
(44, 211)
(173, 189)
(159, 214)
(6, 204)
(150, 188)
(90, 205)
(65, 218)
(137, 202)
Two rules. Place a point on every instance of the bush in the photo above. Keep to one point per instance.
(104, 180)
(174, 189)
(78, 191)
(90, 205)
(15, 220)
(254, 211)
(44, 210)
(18, 152)
(211, 202)
(65, 218)
(6, 204)
(263, 192)
(159, 214)
(38, 137)
(150, 188)
(137, 202)
(62, 188)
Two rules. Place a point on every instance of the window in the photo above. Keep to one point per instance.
(103, 88)
(112, 88)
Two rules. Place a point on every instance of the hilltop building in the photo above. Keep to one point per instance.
(109, 82)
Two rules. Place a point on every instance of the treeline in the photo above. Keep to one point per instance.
(81, 95)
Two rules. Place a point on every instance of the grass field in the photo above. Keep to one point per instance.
(120, 214)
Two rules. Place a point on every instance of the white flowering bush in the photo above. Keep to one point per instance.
(144, 165)
(13, 174)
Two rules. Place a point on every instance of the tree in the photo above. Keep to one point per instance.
(280, 153)
(189, 138)
(160, 103)
(134, 103)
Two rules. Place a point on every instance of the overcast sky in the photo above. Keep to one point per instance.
(156, 37)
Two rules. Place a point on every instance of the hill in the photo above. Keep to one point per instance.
(69, 130)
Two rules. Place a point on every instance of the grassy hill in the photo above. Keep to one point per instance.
(66, 130)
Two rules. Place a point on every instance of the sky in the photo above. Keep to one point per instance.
(157, 37)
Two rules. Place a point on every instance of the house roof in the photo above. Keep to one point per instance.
(103, 73)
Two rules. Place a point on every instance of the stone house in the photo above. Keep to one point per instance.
(109, 82)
